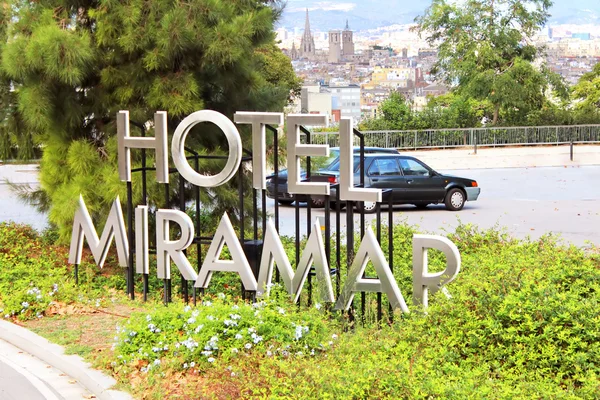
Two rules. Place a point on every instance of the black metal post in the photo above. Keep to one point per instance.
(571, 150)
(131, 238)
(167, 282)
(184, 284)
(391, 245)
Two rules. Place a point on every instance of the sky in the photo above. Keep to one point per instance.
(367, 14)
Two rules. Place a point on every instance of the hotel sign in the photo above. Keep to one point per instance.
(171, 251)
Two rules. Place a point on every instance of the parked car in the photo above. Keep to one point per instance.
(411, 182)
(281, 179)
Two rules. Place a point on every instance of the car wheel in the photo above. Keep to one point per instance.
(368, 207)
(455, 199)
(421, 206)
(285, 202)
(317, 201)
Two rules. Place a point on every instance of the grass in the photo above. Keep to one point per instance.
(522, 323)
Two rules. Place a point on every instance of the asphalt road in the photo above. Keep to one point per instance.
(526, 202)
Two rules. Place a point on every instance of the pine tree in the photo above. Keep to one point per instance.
(75, 64)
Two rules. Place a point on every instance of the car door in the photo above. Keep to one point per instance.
(422, 183)
(384, 173)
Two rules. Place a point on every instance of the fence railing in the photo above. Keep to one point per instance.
(482, 137)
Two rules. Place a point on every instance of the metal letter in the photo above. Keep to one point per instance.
(142, 253)
(233, 140)
(259, 147)
(272, 253)
(347, 189)
(370, 249)
(423, 281)
(158, 142)
(167, 249)
(295, 150)
(225, 235)
(313, 254)
(83, 226)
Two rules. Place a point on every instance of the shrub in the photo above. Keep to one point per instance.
(219, 329)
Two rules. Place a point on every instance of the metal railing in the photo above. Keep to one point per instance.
(482, 137)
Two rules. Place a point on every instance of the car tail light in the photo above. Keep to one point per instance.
(332, 179)
(474, 183)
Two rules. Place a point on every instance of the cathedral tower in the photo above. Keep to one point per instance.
(307, 44)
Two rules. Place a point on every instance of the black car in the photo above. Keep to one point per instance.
(411, 182)
(280, 180)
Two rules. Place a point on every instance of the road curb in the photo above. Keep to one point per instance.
(93, 380)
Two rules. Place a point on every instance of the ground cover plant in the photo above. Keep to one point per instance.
(522, 322)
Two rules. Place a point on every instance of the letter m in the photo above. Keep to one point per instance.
(114, 228)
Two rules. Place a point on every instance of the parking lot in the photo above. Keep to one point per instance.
(527, 191)
(524, 201)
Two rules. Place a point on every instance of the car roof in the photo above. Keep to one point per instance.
(370, 148)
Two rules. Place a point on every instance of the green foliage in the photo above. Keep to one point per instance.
(74, 66)
(586, 92)
(485, 52)
(217, 331)
(35, 279)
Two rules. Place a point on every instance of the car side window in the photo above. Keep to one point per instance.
(413, 168)
(384, 167)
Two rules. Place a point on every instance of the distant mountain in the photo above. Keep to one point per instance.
(369, 14)
(361, 15)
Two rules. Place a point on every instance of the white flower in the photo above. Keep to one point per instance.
(185, 365)
(157, 362)
(210, 318)
(191, 320)
(251, 330)
(206, 353)
(187, 308)
(148, 318)
(234, 350)
(221, 296)
(235, 316)
(248, 346)
(239, 337)
(318, 306)
(269, 354)
(210, 359)
(195, 313)
(192, 364)
(334, 336)
(25, 304)
(235, 307)
(281, 310)
(207, 303)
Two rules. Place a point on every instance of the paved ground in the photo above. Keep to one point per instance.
(11, 209)
(528, 190)
(23, 376)
(525, 201)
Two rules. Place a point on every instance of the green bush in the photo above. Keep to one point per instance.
(34, 275)
(218, 330)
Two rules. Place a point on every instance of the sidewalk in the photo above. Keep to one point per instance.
(46, 371)
(508, 157)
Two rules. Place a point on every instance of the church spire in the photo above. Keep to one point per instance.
(347, 27)
(306, 24)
